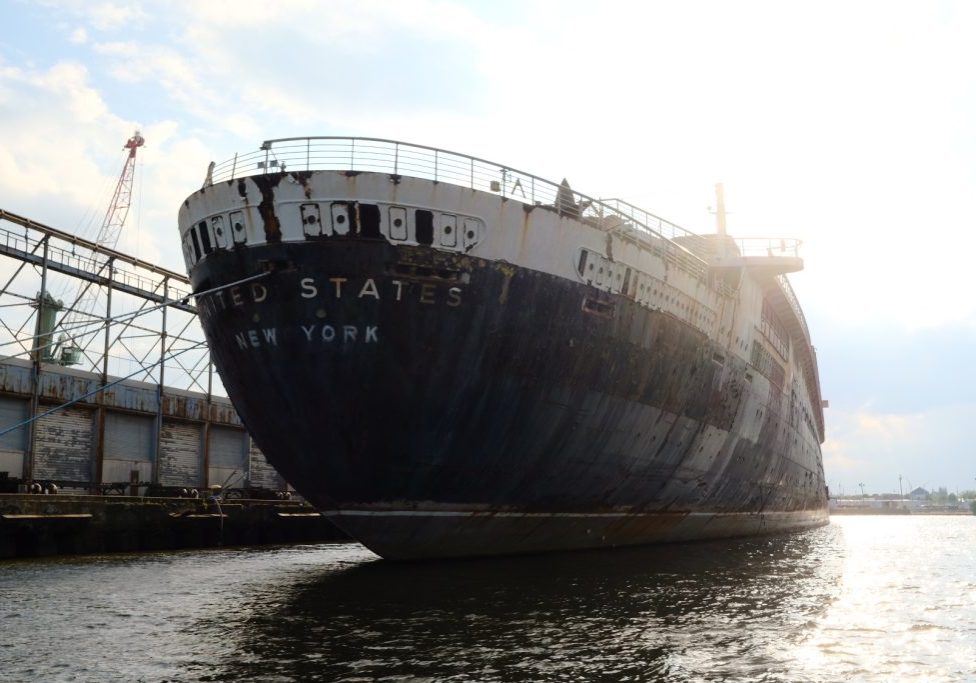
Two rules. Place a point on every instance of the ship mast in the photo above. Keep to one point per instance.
(720, 209)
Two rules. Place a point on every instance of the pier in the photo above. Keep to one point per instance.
(36, 525)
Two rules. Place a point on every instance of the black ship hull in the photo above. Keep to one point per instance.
(439, 404)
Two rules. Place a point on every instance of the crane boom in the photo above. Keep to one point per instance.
(78, 323)
(118, 208)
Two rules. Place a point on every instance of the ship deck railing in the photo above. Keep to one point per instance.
(795, 305)
(417, 161)
(681, 247)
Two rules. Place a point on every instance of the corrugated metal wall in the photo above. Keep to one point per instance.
(64, 445)
(129, 445)
(181, 454)
(263, 474)
(228, 457)
(67, 446)
(13, 444)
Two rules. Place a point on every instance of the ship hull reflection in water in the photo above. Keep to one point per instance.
(684, 611)
(865, 598)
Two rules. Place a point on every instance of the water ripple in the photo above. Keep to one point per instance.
(864, 599)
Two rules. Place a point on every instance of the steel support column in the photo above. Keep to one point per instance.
(159, 389)
(36, 371)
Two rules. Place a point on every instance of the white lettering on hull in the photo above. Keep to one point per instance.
(252, 339)
(317, 334)
(339, 288)
(322, 292)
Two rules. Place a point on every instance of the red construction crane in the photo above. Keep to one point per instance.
(118, 208)
(78, 324)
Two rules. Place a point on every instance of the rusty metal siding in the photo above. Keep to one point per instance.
(181, 454)
(63, 384)
(128, 447)
(179, 405)
(63, 449)
(222, 412)
(15, 376)
(228, 456)
(13, 444)
(262, 473)
(140, 398)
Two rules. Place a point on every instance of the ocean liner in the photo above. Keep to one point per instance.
(450, 357)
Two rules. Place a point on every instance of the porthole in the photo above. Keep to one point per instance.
(312, 219)
(448, 236)
(473, 233)
(398, 224)
(238, 233)
(220, 235)
(341, 217)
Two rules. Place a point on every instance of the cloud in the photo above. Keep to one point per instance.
(178, 81)
(109, 16)
(354, 27)
(102, 16)
(43, 132)
(79, 36)
(61, 155)
(889, 428)
(838, 458)
(304, 66)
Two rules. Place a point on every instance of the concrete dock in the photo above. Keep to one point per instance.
(37, 525)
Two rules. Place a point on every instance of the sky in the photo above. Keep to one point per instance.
(849, 125)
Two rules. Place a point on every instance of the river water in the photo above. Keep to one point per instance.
(863, 599)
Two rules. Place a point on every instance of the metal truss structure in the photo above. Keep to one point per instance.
(48, 280)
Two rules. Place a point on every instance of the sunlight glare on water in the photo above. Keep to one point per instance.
(906, 606)
(864, 599)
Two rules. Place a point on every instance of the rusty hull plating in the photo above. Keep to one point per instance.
(445, 371)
